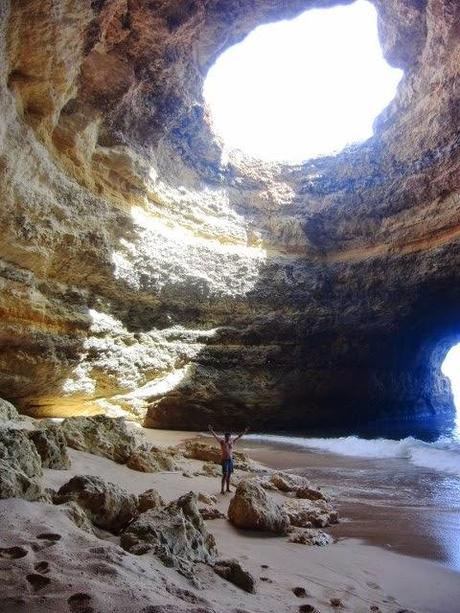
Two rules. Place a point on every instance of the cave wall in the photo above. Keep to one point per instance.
(143, 272)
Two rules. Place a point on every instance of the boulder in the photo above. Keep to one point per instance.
(50, 443)
(107, 505)
(232, 571)
(252, 508)
(310, 537)
(19, 452)
(285, 482)
(175, 533)
(197, 450)
(8, 411)
(309, 493)
(150, 499)
(151, 460)
(309, 513)
(15, 483)
(104, 436)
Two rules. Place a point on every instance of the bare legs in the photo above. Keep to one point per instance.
(226, 482)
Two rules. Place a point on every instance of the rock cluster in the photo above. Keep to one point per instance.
(253, 509)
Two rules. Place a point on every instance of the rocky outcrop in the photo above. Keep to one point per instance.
(175, 533)
(151, 460)
(232, 571)
(252, 508)
(19, 452)
(143, 270)
(50, 443)
(100, 435)
(107, 505)
(308, 513)
(8, 411)
(15, 483)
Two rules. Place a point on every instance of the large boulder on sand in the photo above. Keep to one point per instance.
(14, 483)
(19, 452)
(252, 508)
(107, 505)
(175, 533)
(8, 412)
(50, 443)
(100, 435)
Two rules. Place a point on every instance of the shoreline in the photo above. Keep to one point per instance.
(363, 577)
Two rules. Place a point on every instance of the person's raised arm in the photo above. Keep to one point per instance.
(245, 431)
(213, 433)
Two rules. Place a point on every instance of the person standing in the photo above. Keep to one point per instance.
(226, 449)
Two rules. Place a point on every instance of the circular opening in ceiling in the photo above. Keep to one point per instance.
(304, 88)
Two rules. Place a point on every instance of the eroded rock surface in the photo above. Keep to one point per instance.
(175, 533)
(8, 411)
(143, 271)
(254, 509)
(51, 445)
(107, 505)
(19, 452)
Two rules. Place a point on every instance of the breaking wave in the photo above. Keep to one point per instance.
(442, 455)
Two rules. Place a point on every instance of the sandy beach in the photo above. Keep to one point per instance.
(362, 577)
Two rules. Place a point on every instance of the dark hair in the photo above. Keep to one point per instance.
(227, 434)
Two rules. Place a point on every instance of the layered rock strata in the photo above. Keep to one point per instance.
(143, 271)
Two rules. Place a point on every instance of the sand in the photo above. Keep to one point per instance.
(91, 574)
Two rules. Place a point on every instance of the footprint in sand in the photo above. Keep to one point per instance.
(12, 553)
(49, 536)
(80, 603)
(42, 567)
(38, 582)
(373, 585)
(307, 608)
(300, 592)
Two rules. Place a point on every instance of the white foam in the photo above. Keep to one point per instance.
(442, 455)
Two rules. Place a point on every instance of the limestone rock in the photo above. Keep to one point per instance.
(19, 452)
(252, 508)
(101, 435)
(310, 537)
(207, 499)
(304, 513)
(309, 493)
(211, 513)
(8, 411)
(175, 533)
(150, 499)
(286, 482)
(198, 450)
(151, 460)
(79, 517)
(50, 443)
(107, 505)
(232, 571)
(15, 483)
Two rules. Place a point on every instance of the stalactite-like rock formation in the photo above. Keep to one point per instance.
(141, 272)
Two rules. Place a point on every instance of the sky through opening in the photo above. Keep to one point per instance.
(451, 368)
(299, 89)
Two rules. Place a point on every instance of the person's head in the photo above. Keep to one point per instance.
(227, 436)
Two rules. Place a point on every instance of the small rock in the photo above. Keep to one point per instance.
(232, 571)
(211, 513)
(150, 499)
(311, 537)
(207, 499)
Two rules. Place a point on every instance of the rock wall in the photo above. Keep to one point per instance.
(142, 271)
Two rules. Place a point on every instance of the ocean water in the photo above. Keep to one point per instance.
(441, 455)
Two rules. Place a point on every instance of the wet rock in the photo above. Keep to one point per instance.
(151, 460)
(107, 505)
(14, 483)
(100, 435)
(150, 499)
(232, 571)
(252, 508)
(51, 445)
(310, 513)
(19, 452)
(310, 537)
(175, 533)
(8, 411)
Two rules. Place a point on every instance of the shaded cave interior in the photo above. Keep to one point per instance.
(328, 294)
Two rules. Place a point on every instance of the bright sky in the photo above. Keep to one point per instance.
(298, 89)
(451, 368)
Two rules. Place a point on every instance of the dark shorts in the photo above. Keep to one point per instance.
(227, 467)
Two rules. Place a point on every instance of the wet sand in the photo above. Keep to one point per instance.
(389, 503)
